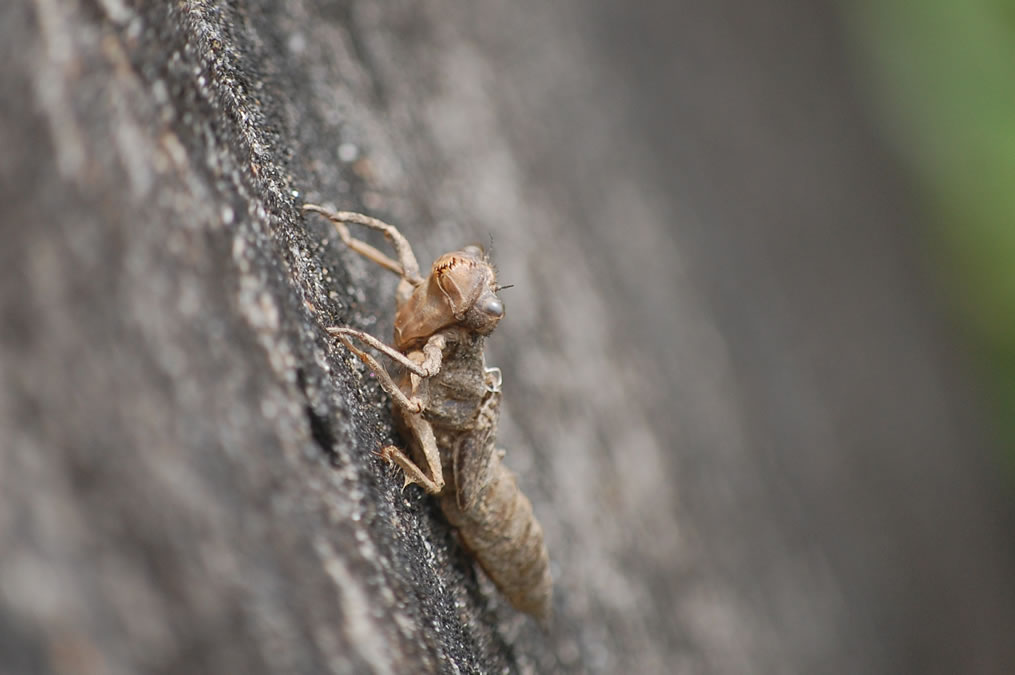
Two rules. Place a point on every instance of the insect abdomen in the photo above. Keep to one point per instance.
(503, 534)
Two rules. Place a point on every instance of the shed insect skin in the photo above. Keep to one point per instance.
(447, 404)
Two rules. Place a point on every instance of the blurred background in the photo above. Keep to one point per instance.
(936, 77)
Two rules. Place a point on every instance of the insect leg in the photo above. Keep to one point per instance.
(410, 365)
(410, 405)
(426, 362)
(423, 432)
(433, 353)
(406, 265)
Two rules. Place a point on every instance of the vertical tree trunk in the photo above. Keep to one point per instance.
(744, 428)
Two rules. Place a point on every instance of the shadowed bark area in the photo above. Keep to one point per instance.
(748, 434)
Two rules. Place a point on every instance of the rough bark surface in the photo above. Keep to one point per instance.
(741, 422)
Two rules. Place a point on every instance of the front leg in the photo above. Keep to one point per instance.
(406, 265)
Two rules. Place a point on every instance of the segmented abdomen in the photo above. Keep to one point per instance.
(507, 540)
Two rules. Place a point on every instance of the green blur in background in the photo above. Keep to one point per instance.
(945, 74)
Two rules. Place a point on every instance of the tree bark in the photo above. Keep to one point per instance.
(748, 432)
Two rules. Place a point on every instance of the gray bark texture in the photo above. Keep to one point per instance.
(749, 433)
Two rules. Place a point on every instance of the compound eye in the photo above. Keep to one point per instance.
(492, 306)
(473, 251)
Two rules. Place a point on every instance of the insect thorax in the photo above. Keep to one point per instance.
(457, 392)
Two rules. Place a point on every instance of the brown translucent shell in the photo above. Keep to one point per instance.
(461, 290)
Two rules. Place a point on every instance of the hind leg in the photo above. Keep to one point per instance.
(424, 436)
